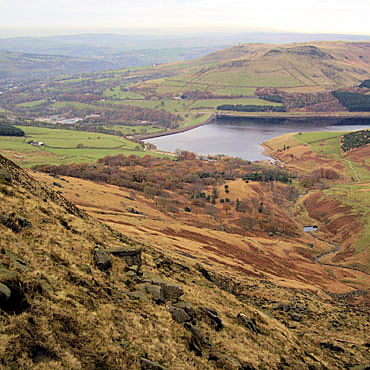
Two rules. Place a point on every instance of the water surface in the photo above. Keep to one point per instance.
(243, 137)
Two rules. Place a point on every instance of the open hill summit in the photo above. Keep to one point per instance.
(74, 293)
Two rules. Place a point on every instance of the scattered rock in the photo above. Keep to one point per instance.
(296, 317)
(56, 184)
(150, 365)
(13, 298)
(172, 291)
(134, 211)
(156, 292)
(139, 295)
(282, 307)
(187, 307)
(102, 260)
(178, 314)
(132, 256)
(13, 222)
(197, 342)
(5, 292)
(203, 271)
(5, 177)
(163, 263)
(214, 319)
(250, 324)
(332, 347)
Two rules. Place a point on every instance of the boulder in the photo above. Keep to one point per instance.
(172, 291)
(12, 297)
(178, 314)
(187, 307)
(332, 347)
(132, 256)
(216, 322)
(203, 271)
(102, 260)
(138, 295)
(296, 317)
(4, 177)
(250, 324)
(5, 292)
(155, 291)
(150, 365)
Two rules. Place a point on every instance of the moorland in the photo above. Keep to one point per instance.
(114, 255)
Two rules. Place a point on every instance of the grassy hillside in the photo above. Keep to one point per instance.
(60, 309)
(336, 188)
(65, 146)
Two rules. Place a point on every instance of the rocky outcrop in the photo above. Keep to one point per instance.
(102, 260)
(178, 314)
(131, 255)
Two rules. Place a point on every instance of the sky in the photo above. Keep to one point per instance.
(31, 17)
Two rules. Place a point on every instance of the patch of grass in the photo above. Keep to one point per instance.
(61, 147)
(130, 130)
(312, 137)
(245, 91)
(72, 80)
(241, 77)
(213, 103)
(116, 93)
(32, 104)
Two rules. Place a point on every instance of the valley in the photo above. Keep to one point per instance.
(115, 254)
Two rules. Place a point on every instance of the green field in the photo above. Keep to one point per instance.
(357, 197)
(116, 93)
(32, 104)
(133, 130)
(214, 103)
(239, 77)
(60, 147)
(327, 143)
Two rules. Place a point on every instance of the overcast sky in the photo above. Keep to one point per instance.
(311, 16)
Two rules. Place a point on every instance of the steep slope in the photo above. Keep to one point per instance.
(60, 309)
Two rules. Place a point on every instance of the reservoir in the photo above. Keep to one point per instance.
(243, 137)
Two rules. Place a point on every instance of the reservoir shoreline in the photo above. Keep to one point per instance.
(260, 116)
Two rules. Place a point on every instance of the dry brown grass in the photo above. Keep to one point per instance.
(78, 319)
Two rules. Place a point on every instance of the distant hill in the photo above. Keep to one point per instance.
(34, 66)
(314, 65)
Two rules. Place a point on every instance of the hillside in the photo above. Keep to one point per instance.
(64, 304)
(318, 78)
(336, 188)
(33, 66)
